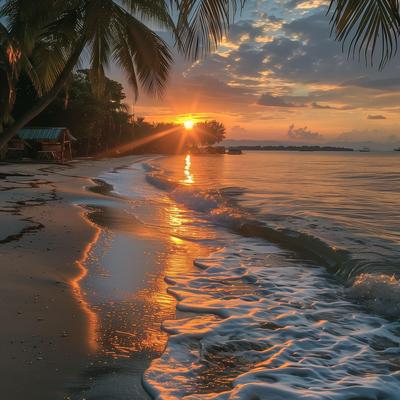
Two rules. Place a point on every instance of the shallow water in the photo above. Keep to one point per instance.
(294, 291)
(302, 299)
(346, 200)
(121, 286)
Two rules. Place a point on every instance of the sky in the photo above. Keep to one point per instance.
(279, 76)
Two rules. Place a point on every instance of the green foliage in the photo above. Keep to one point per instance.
(49, 31)
(45, 40)
(99, 123)
(103, 124)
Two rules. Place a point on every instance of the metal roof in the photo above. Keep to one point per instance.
(43, 133)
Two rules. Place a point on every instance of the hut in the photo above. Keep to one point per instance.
(51, 144)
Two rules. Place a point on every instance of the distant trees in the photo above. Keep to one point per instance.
(46, 39)
(177, 139)
(210, 132)
(53, 36)
(103, 125)
(98, 122)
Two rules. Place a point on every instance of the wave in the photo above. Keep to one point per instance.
(250, 338)
(217, 205)
(379, 292)
(220, 207)
(263, 318)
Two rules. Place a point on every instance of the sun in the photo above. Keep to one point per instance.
(188, 124)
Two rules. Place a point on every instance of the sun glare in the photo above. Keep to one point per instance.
(188, 124)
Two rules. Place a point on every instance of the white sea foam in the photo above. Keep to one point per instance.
(379, 292)
(268, 328)
(268, 325)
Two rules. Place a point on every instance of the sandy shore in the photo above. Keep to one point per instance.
(43, 237)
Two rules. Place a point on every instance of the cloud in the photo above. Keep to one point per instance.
(244, 29)
(239, 131)
(269, 100)
(385, 84)
(376, 116)
(303, 134)
(278, 65)
(329, 107)
(307, 5)
(299, 53)
(303, 51)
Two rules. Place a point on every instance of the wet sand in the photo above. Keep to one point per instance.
(45, 344)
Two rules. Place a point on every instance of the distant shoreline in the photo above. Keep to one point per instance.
(291, 148)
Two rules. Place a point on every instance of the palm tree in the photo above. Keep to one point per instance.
(53, 36)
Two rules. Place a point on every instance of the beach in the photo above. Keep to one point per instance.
(44, 235)
(199, 200)
(184, 277)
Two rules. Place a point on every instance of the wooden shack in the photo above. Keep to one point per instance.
(51, 144)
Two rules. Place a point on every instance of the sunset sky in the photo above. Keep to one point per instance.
(279, 76)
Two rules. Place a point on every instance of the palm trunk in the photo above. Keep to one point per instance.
(46, 100)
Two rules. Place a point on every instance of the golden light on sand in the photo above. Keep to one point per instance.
(188, 124)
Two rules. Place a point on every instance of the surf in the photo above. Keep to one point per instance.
(221, 208)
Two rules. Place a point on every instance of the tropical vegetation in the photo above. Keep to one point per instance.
(98, 122)
(45, 41)
(104, 124)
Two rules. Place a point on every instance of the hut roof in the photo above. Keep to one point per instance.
(44, 134)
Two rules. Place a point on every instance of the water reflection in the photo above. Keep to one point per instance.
(80, 295)
(188, 173)
(121, 286)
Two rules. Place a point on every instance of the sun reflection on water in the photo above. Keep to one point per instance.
(92, 318)
(175, 260)
(189, 179)
(123, 321)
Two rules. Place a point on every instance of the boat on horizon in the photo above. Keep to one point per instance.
(365, 149)
(396, 149)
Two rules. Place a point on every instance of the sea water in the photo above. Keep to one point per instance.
(299, 297)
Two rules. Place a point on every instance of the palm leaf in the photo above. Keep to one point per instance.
(155, 11)
(123, 57)
(150, 56)
(202, 24)
(98, 17)
(367, 27)
(48, 62)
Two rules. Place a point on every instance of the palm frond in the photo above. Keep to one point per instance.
(155, 11)
(367, 27)
(123, 57)
(98, 18)
(158, 13)
(150, 55)
(202, 24)
(48, 62)
(29, 69)
(26, 19)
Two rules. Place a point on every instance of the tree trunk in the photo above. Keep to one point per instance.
(45, 100)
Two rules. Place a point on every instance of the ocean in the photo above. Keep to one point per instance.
(284, 268)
